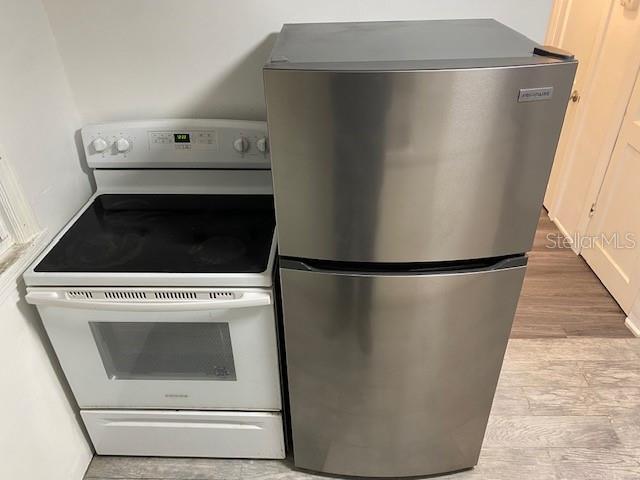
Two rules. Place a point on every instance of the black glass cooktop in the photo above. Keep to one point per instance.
(169, 234)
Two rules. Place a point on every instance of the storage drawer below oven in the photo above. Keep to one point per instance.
(171, 433)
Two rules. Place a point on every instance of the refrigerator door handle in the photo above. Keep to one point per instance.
(511, 262)
(56, 298)
(428, 268)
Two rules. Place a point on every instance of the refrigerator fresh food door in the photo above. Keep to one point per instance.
(412, 166)
(393, 375)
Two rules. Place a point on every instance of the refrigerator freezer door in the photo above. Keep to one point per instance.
(394, 375)
(412, 166)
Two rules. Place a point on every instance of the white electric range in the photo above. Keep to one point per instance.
(158, 295)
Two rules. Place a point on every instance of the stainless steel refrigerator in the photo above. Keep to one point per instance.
(409, 163)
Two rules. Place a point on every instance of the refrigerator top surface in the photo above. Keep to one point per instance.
(402, 45)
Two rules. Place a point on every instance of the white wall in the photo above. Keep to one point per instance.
(38, 118)
(202, 58)
(40, 437)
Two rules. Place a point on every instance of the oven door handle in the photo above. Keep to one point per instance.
(58, 299)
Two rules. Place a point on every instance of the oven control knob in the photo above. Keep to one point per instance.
(262, 145)
(241, 144)
(99, 145)
(123, 145)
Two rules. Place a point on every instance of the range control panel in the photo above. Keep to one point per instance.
(179, 143)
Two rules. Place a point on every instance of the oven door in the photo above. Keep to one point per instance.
(155, 348)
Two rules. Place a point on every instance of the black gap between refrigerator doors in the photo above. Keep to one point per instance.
(425, 268)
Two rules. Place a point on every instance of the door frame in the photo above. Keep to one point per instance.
(555, 34)
(557, 187)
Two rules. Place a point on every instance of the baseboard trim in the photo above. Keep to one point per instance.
(633, 325)
(574, 246)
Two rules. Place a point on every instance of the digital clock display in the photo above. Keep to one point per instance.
(181, 138)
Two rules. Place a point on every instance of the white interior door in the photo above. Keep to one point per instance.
(617, 214)
(584, 154)
(575, 26)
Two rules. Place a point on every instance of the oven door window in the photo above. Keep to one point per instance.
(165, 350)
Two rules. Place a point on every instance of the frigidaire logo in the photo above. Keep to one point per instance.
(176, 395)
(535, 94)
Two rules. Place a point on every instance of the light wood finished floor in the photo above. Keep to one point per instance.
(565, 409)
(561, 296)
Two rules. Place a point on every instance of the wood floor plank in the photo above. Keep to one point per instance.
(164, 468)
(596, 463)
(509, 464)
(291, 475)
(627, 427)
(510, 401)
(532, 373)
(589, 349)
(537, 329)
(550, 431)
(582, 400)
(595, 331)
(151, 468)
(612, 373)
(276, 469)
